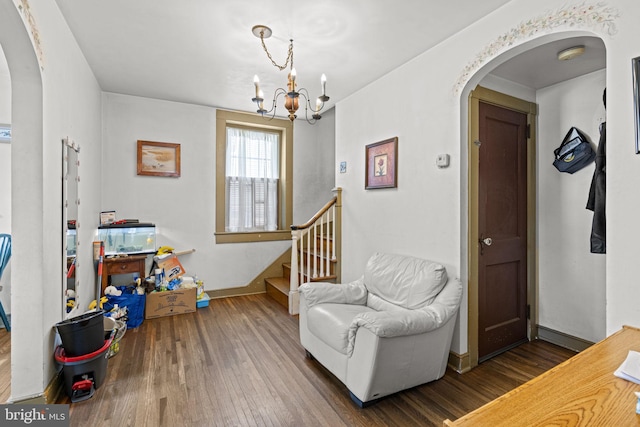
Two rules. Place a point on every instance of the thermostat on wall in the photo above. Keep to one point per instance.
(442, 161)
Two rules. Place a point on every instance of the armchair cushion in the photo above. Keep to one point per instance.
(332, 322)
(405, 281)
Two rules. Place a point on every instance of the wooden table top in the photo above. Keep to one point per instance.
(579, 392)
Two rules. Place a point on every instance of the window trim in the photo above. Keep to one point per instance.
(285, 210)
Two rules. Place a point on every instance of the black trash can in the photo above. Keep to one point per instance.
(82, 334)
(83, 374)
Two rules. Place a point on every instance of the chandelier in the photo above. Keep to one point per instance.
(291, 94)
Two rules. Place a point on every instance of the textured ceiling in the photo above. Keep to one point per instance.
(203, 51)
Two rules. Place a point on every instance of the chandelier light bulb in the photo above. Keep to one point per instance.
(323, 82)
(261, 98)
(293, 74)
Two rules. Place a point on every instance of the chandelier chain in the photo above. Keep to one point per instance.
(289, 55)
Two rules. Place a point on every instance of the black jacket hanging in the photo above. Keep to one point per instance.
(597, 197)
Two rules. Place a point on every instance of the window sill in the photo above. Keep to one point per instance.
(253, 236)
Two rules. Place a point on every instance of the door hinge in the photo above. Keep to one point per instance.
(528, 311)
(528, 131)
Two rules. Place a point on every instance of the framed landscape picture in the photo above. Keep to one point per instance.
(158, 158)
(381, 160)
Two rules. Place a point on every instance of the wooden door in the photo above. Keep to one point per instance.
(502, 230)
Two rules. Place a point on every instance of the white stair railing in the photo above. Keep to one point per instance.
(314, 248)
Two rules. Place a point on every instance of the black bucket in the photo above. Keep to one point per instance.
(83, 374)
(83, 334)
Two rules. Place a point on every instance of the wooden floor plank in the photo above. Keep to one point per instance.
(239, 362)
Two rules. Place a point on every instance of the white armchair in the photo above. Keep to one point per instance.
(387, 331)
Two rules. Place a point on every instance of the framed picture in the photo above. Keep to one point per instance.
(158, 158)
(5, 133)
(381, 160)
(635, 62)
(107, 217)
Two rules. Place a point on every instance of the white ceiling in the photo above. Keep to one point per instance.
(539, 67)
(203, 51)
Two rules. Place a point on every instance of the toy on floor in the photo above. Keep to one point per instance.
(93, 304)
(70, 294)
(112, 290)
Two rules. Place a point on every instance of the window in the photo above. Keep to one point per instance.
(253, 178)
(252, 173)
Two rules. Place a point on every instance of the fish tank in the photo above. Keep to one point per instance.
(128, 238)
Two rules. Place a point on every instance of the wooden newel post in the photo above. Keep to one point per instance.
(294, 297)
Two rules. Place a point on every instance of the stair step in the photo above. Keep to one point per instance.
(278, 289)
(286, 268)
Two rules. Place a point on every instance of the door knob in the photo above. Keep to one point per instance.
(484, 241)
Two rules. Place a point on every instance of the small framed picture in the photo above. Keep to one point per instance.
(158, 158)
(381, 160)
(107, 217)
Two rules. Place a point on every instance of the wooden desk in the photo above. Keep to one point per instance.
(123, 265)
(579, 392)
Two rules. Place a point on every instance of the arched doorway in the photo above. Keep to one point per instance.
(27, 196)
(539, 280)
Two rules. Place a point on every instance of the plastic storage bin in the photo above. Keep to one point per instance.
(83, 374)
(203, 301)
(82, 334)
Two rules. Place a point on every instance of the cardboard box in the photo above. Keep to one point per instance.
(171, 266)
(168, 303)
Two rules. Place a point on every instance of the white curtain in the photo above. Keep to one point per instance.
(252, 175)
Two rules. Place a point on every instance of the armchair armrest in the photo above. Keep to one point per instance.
(396, 323)
(323, 292)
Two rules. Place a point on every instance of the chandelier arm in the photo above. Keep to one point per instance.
(270, 115)
(289, 54)
(307, 106)
(304, 92)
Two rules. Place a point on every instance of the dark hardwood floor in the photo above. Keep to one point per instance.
(5, 365)
(239, 362)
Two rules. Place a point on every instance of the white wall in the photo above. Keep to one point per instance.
(313, 166)
(183, 208)
(427, 214)
(53, 98)
(572, 280)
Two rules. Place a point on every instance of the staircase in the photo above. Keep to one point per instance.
(315, 255)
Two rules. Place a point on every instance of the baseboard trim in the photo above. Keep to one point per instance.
(460, 363)
(257, 285)
(562, 339)
(55, 390)
(51, 395)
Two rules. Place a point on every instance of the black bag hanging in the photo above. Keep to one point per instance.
(574, 153)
